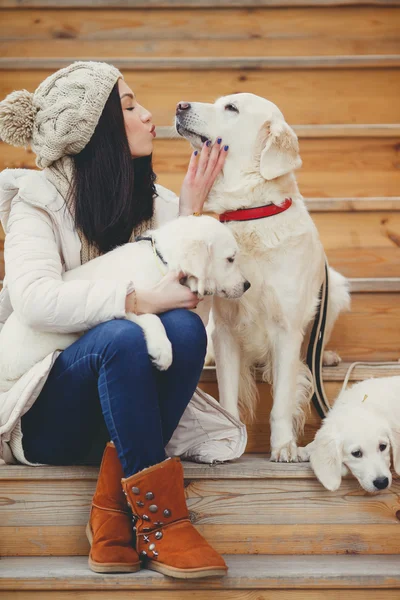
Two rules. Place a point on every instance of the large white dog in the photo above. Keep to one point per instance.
(358, 434)
(201, 247)
(281, 255)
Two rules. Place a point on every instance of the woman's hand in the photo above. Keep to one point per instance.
(167, 294)
(202, 172)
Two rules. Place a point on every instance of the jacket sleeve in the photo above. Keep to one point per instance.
(38, 294)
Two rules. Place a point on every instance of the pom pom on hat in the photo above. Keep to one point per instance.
(17, 117)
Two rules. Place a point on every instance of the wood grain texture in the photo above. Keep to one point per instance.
(213, 502)
(259, 594)
(332, 168)
(189, 3)
(245, 573)
(139, 33)
(333, 374)
(304, 96)
(204, 64)
(54, 540)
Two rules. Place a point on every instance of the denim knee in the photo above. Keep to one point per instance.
(121, 335)
(186, 333)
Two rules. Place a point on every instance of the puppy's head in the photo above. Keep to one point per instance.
(356, 440)
(255, 130)
(207, 252)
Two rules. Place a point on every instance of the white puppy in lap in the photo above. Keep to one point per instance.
(281, 255)
(358, 435)
(200, 247)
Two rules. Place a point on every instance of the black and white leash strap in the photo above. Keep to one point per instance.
(316, 348)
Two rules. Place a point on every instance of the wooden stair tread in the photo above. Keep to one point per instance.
(249, 466)
(189, 3)
(364, 371)
(207, 63)
(245, 572)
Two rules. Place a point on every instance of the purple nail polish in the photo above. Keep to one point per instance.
(208, 143)
(219, 140)
(195, 153)
(226, 148)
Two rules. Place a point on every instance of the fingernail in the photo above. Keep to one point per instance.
(208, 143)
(219, 140)
(195, 153)
(226, 148)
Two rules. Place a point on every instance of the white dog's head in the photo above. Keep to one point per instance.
(260, 141)
(357, 439)
(207, 252)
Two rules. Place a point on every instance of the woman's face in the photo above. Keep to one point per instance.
(138, 126)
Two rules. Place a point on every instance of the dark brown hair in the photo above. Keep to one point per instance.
(111, 192)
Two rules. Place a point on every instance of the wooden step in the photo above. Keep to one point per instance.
(249, 506)
(332, 166)
(372, 574)
(137, 33)
(350, 95)
(259, 430)
(26, 4)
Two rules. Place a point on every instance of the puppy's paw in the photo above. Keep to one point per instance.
(304, 453)
(286, 453)
(331, 359)
(161, 354)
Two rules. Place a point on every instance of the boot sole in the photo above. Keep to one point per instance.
(109, 567)
(185, 573)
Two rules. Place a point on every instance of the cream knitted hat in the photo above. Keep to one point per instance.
(60, 117)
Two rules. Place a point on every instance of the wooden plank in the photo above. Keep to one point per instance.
(352, 204)
(264, 594)
(245, 572)
(188, 3)
(228, 539)
(217, 500)
(304, 96)
(341, 167)
(204, 64)
(259, 594)
(359, 373)
(140, 33)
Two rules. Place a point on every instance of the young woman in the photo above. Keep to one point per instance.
(96, 191)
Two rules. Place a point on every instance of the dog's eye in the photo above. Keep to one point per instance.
(231, 259)
(231, 107)
(382, 447)
(357, 454)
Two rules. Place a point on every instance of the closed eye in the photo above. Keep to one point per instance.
(231, 107)
(357, 454)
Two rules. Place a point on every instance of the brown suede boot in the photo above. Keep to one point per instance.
(165, 538)
(109, 530)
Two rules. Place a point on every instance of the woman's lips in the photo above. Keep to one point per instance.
(153, 131)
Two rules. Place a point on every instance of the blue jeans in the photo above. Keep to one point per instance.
(107, 377)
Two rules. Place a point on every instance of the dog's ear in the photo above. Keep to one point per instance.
(196, 261)
(326, 457)
(394, 436)
(280, 152)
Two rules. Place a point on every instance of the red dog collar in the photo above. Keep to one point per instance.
(259, 212)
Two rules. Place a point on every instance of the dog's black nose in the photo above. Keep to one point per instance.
(381, 483)
(181, 106)
(246, 285)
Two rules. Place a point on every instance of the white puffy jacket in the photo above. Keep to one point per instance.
(41, 243)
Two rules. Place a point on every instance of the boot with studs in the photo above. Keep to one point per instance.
(166, 540)
(109, 530)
